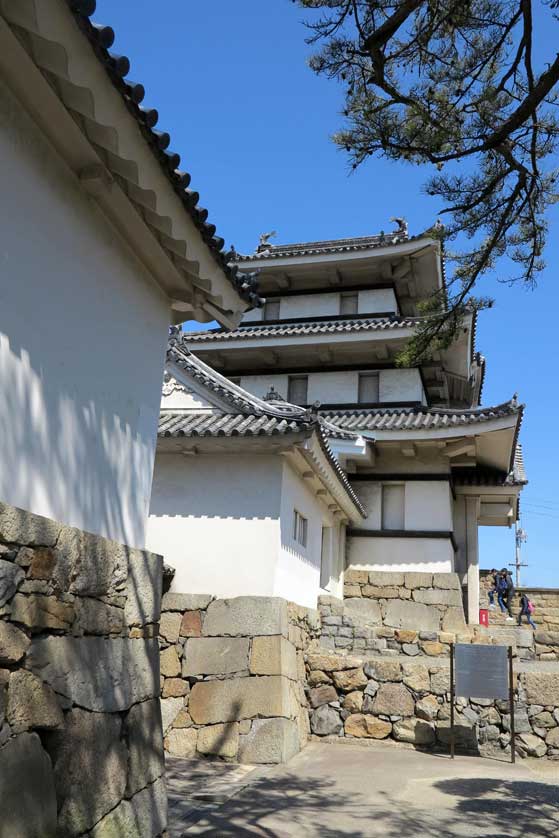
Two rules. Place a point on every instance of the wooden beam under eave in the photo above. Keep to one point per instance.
(408, 450)
(459, 448)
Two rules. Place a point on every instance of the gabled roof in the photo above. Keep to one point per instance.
(346, 245)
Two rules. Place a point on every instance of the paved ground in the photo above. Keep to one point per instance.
(355, 791)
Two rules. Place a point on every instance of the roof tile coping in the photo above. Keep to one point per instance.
(354, 243)
(117, 67)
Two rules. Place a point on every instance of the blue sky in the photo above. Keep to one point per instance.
(252, 125)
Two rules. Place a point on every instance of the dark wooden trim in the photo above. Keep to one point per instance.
(396, 477)
(355, 533)
(330, 289)
(323, 318)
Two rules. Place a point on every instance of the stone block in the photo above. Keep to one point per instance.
(27, 792)
(542, 687)
(383, 670)
(143, 588)
(393, 699)
(330, 662)
(433, 648)
(547, 638)
(185, 602)
(220, 740)
(356, 577)
(353, 702)
(416, 677)
(365, 611)
(43, 562)
(13, 643)
(246, 616)
(215, 656)
(366, 727)
(447, 581)
(544, 719)
(418, 580)
(386, 578)
(11, 576)
(270, 741)
(88, 564)
(375, 592)
(170, 709)
(169, 663)
(181, 742)
(352, 590)
(440, 681)
(524, 637)
(143, 816)
(427, 708)
(38, 612)
(411, 615)
(90, 764)
(169, 626)
(273, 655)
(183, 719)
(20, 527)
(94, 617)
(322, 695)
(552, 738)
(191, 624)
(414, 731)
(410, 649)
(406, 636)
(31, 703)
(175, 688)
(533, 745)
(438, 596)
(240, 698)
(349, 679)
(125, 671)
(144, 735)
(325, 721)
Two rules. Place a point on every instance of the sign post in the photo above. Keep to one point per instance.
(479, 671)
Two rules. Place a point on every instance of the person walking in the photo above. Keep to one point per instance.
(501, 586)
(509, 593)
(493, 590)
(526, 610)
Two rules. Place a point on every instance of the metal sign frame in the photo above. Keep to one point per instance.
(511, 702)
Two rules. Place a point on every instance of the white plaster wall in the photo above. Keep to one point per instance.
(82, 341)
(333, 387)
(429, 555)
(298, 571)
(216, 519)
(187, 401)
(259, 385)
(428, 505)
(379, 300)
(253, 316)
(370, 495)
(310, 305)
(400, 386)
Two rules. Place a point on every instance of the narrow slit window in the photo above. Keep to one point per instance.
(368, 391)
(348, 303)
(297, 389)
(300, 528)
(272, 310)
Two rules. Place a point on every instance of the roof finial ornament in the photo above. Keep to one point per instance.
(311, 413)
(273, 396)
(514, 400)
(264, 240)
(402, 229)
(231, 255)
(175, 334)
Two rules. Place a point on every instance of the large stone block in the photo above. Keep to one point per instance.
(144, 735)
(181, 742)
(326, 721)
(170, 709)
(27, 792)
(438, 596)
(366, 727)
(383, 670)
(269, 741)
(31, 703)
(191, 624)
(169, 626)
(542, 687)
(38, 612)
(20, 527)
(365, 611)
(393, 699)
(11, 576)
(221, 740)
(418, 580)
(95, 617)
(446, 580)
(411, 615)
(185, 602)
(273, 655)
(454, 620)
(169, 663)
(240, 698)
(215, 656)
(89, 564)
(246, 616)
(416, 677)
(386, 578)
(415, 731)
(350, 679)
(90, 761)
(331, 662)
(322, 695)
(143, 588)
(143, 816)
(13, 643)
(547, 638)
(97, 674)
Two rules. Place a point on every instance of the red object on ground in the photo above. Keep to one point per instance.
(484, 617)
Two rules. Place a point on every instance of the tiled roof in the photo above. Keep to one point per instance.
(253, 330)
(347, 245)
(226, 424)
(117, 68)
(419, 418)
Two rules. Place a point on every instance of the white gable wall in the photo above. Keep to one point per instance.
(82, 343)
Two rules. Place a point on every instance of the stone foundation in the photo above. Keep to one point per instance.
(80, 725)
(410, 702)
(233, 677)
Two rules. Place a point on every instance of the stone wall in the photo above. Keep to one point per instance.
(545, 616)
(409, 701)
(80, 726)
(233, 677)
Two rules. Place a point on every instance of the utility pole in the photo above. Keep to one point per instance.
(519, 539)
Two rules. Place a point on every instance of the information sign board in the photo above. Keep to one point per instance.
(481, 671)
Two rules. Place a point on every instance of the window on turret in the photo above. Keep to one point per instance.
(300, 528)
(348, 303)
(297, 387)
(272, 310)
(368, 387)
